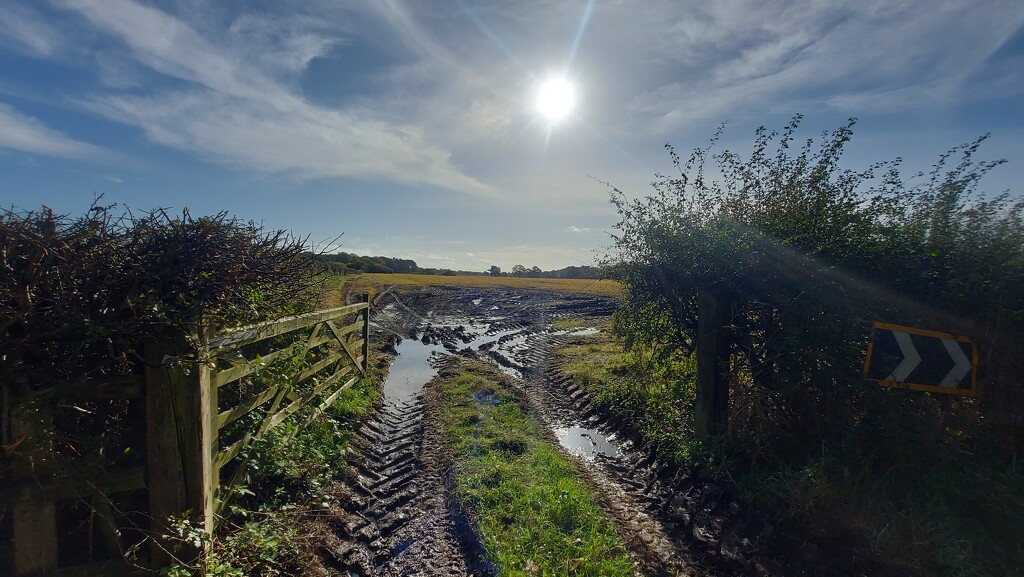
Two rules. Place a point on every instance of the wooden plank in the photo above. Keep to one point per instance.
(365, 318)
(181, 437)
(283, 414)
(344, 344)
(113, 480)
(349, 329)
(258, 332)
(245, 368)
(277, 417)
(35, 537)
(317, 367)
(225, 455)
(245, 407)
(34, 520)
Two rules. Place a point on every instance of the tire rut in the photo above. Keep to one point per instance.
(401, 522)
(385, 481)
(686, 515)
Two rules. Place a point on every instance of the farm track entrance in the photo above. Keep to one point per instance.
(402, 521)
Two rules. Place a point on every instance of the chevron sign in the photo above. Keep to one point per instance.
(922, 360)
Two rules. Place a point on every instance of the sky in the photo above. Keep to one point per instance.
(412, 128)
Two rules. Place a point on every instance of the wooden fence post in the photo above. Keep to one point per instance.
(365, 316)
(181, 438)
(35, 521)
(712, 367)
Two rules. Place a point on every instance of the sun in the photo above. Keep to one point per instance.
(555, 98)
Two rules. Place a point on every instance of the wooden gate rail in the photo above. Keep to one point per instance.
(185, 453)
(184, 423)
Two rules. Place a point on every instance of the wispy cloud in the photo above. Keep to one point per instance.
(574, 228)
(27, 134)
(245, 112)
(823, 54)
(26, 31)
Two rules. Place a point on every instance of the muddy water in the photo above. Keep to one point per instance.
(416, 361)
(587, 443)
(675, 521)
(410, 371)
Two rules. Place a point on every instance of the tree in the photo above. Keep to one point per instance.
(519, 270)
(534, 272)
(494, 270)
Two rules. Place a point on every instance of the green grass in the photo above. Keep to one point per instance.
(926, 503)
(534, 513)
(656, 398)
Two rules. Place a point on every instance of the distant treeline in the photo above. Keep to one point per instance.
(346, 263)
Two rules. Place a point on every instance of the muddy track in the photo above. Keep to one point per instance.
(400, 520)
(694, 518)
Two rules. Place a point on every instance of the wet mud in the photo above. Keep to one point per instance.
(400, 519)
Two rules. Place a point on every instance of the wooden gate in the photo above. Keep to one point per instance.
(205, 398)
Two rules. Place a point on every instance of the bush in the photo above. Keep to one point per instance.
(79, 295)
(805, 255)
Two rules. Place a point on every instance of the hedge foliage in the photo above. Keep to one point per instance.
(806, 254)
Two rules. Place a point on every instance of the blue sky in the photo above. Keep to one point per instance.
(412, 127)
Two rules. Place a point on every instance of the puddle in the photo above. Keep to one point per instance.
(412, 368)
(578, 332)
(587, 443)
(487, 399)
(410, 371)
(477, 301)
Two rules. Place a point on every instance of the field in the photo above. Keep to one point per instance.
(373, 283)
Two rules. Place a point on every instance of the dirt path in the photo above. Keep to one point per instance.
(400, 520)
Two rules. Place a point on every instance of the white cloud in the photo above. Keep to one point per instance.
(878, 56)
(21, 132)
(27, 31)
(115, 179)
(243, 112)
(574, 228)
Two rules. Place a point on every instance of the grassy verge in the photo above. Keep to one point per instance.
(656, 398)
(534, 514)
(925, 504)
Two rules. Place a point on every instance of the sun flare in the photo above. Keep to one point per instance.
(556, 98)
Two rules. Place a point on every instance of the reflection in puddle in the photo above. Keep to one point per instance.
(587, 443)
(578, 332)
(410, 371)
(487, 399)
(413, 367)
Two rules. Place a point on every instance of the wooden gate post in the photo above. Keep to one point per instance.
(181, 438)
(365, 316)
(34, 520)
(712, 367)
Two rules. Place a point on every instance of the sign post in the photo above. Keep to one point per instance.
(922, 360)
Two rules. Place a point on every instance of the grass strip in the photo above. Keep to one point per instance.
(534, 513)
